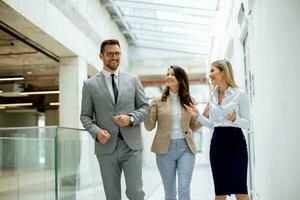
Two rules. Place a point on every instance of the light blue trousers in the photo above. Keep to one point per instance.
(181, 159)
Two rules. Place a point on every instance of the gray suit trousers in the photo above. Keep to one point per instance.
(111, 166)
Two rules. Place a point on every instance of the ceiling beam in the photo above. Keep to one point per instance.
(119, 15)
(178, 42)
(203, 12)
(10, 31)
(183, 37)
(194, 50)
(196, 34)
(162, 22)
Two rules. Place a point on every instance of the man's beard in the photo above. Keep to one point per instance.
(112, 66)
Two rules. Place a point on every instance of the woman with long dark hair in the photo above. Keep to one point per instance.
(173, 143)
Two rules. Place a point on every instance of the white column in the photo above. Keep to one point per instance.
(72, 73)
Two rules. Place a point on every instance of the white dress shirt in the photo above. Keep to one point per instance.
(108, 77)
(234, 99)
(177, 131)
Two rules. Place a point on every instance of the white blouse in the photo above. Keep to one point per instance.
(234, 99)
(177, 131)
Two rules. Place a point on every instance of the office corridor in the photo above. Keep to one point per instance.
(48, 48)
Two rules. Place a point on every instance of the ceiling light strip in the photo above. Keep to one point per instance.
(54, 104)
(39, 92)
(12, 78)
(15, 104)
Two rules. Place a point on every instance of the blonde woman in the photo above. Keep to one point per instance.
(173, 144)
(228, 115)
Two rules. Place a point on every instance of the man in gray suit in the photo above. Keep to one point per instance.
(113, 106)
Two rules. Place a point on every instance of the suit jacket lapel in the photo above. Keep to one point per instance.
(102, 83)
(184, 115)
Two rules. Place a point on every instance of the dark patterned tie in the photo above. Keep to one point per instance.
(115, 89)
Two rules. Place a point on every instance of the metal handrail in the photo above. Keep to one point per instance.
(38, 127)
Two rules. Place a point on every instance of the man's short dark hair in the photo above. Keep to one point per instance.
(108, 42)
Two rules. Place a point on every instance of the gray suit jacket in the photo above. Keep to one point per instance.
(98, 109)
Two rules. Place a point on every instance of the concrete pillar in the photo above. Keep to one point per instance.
(78, 168)
(72, 73)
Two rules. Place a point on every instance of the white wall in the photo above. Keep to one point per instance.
(276, 47)
(274, 30)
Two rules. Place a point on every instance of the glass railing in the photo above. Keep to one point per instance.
(47, 163)
(57, 163)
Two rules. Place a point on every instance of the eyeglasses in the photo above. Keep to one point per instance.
(111, 54)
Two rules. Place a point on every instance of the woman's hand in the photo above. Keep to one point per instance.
(231, 116)
(206, 111)
(192, 110)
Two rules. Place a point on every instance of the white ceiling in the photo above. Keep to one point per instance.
(175, 25)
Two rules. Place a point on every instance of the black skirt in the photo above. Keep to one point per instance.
(229, 161)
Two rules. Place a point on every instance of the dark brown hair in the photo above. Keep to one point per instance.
(184, 91)
(108, 42)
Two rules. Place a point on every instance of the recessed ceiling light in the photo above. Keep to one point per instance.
(17, 78)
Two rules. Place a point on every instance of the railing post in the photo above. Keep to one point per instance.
(56, 164)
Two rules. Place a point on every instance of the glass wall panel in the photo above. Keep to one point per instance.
(27, 163)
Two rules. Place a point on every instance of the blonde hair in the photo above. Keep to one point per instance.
(225, 66)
